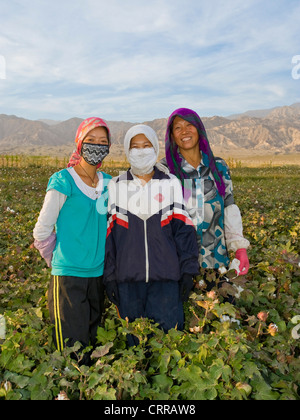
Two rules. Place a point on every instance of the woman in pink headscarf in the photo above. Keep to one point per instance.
(70, 234)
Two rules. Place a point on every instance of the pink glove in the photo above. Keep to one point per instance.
(46, 248)
(241, 255)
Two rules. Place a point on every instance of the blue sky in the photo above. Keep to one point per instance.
(137, 60)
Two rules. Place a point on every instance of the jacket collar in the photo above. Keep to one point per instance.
(128, 176)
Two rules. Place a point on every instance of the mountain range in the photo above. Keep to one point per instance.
(274, 130)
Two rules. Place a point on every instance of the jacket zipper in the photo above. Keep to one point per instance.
(146, 251)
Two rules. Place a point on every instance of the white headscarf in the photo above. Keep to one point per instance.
(141, 160)
(141, 129)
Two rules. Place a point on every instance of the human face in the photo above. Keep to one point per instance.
(140, 141)
(97, 136)
(185, 134)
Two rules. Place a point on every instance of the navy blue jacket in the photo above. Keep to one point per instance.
(150, 235)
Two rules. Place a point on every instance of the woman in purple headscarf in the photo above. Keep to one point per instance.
(208, 192)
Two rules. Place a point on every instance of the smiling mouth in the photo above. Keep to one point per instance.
(186, 139)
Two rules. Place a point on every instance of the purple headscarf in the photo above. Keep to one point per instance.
(173, 158)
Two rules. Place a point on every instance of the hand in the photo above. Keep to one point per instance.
(112, 292)
(241, 255)
(186, 284)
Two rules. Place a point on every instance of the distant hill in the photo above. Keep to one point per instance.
(260, 113)
(275, 130)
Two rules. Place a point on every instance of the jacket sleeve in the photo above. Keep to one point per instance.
(53, 202)
(184, 233)
(110, 246)
(233, 225)
(43, 232)
(234, 229)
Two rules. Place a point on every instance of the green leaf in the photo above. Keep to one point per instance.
(104, 336)
(94, 379)
(250, 370)
(163, 382)
(101, 351)
(102, 393)
(39, 393)
(216, 370)
(210, 394)
(269, 288)
(164, 361)
(263, 390)
(19, 380)
(226, 373)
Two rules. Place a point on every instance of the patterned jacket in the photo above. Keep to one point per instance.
(217, 219)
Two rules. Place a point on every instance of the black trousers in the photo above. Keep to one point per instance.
(76, 305)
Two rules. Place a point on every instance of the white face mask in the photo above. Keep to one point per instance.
(142, 161)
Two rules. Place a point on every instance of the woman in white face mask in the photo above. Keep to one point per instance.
(151, 251)
(141, 148)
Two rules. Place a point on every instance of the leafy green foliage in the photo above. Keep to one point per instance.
(247, 351)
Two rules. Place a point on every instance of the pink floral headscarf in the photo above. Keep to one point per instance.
(85, 127)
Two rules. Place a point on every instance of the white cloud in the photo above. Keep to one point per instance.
(132, 16)
(136, 59)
